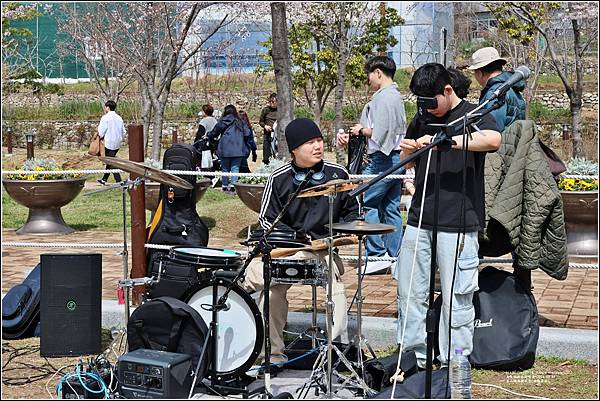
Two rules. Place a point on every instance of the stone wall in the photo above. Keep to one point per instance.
(250, 101)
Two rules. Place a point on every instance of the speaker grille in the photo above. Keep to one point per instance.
(70, 305)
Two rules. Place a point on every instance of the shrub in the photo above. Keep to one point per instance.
(40, 164)
(273, 165)
(579, 166)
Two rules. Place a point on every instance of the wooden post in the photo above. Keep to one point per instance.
(135, 135)
(9, 141)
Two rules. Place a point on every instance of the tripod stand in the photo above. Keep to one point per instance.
(443, 140)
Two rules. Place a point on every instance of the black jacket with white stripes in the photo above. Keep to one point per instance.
(309, 214)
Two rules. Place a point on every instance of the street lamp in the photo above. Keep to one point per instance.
(29, 138)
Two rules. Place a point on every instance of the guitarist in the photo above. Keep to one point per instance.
(308, 214)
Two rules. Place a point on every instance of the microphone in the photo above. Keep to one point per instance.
(520, 73)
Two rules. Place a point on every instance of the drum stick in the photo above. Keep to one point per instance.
(316, 245)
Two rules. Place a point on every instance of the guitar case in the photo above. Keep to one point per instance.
(176, 220)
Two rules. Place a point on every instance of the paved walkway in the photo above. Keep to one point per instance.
(571, 303)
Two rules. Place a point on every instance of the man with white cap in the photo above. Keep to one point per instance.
(487, 66)
(309, 215)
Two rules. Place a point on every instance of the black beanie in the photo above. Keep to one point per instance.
(299, 131)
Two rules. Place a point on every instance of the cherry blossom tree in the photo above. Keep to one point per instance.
(555, 22)
(150, 43)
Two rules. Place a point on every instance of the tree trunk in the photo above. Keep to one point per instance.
(283, 75)
(576, 102)
(146, 115)
(341, 81)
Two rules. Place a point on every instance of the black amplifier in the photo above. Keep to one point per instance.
(146, 373)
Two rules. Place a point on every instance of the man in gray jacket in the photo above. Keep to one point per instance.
(383, 122)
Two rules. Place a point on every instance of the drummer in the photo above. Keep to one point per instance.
(308, 214)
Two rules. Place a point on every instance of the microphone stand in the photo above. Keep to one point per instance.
(262, 247)
(443, 139)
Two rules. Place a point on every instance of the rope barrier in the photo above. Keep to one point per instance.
(220, 173)
(591, 266)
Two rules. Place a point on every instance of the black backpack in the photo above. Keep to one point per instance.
(168, 324)
(506, 323)
(176, 221)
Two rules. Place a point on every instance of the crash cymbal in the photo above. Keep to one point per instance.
(360, 227)
(333, 186)
(151, 173)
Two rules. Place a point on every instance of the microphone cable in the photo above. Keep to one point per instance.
(412, 271)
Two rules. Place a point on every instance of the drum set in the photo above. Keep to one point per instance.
(238, 330)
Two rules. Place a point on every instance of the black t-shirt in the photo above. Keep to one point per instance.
(450, 217)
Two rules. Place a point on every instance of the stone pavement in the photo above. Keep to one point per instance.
(571, 303)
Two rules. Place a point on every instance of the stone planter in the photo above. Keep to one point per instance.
(151, 196)
(581, 218)
(44, 198)
(250, 194)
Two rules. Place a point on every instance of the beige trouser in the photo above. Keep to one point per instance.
(278, 305)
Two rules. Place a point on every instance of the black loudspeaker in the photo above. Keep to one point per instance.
(70, 305)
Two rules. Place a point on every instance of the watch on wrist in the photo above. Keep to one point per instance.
(360, 131)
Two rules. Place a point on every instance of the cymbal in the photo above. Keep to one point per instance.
(151, 173)
(359, 227)
(330, 187)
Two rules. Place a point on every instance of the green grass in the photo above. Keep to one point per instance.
(224, 215)
(541, 113)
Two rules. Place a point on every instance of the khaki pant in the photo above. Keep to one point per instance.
(278, 305)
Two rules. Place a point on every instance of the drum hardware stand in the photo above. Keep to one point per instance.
(124, 185)
(314, 329)
(261, 247)
(326, 353)
(443, 139)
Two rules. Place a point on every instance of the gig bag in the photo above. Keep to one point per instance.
(168, 324)
(176, 221)
(21, 308)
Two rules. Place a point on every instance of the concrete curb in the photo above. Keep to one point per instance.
(381, 332)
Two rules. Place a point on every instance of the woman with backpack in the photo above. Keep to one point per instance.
(233, 146)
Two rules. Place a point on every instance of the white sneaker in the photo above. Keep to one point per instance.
(376, 266)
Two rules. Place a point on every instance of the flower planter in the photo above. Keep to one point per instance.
(250, 194)
(151, 196)
(44, 198)
(581, 218)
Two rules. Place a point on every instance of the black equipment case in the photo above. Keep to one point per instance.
(506, 323)
(21, 307)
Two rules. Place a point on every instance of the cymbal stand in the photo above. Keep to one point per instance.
(330, 347)
(124, 185)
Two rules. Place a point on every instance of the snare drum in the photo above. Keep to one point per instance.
(280, 238)
(209, 258)
(297, 271)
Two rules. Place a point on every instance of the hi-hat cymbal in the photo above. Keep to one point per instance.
(151, 173)
(330, 187)
(360, 227)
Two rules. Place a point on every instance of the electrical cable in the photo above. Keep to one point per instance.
(509, 391)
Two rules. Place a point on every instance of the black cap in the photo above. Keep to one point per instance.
(300, 131)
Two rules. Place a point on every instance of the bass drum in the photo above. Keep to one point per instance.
(240, 328)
